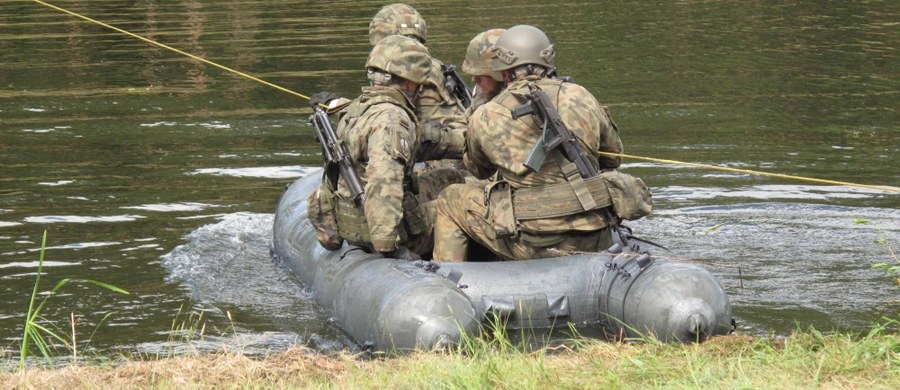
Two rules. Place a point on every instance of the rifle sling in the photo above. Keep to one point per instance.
(573, 176)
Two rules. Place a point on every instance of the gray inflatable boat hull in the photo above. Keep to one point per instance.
(393, 305)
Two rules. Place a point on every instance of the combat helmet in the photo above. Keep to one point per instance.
(478, 55)
(399, 56)
(521, 45)
(397, 19)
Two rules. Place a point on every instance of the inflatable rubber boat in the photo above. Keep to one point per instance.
(395, 305)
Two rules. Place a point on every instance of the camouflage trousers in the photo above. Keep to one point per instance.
(431, 183)
(462, 215)
(448, 163)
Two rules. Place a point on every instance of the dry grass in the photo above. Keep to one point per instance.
(803, 360)
(298, 367)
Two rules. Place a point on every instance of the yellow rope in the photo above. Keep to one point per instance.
(280, 88)
(167, 47)
(751, 172)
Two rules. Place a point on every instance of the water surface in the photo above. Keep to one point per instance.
(160, 174)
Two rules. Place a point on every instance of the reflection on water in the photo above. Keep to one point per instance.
(159, 174)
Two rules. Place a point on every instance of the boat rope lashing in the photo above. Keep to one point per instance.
(751, 172)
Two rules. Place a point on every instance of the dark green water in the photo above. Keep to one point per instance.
(160, 174)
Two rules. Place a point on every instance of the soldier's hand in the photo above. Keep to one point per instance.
(321, 98)
(402, 253)
(431, 131)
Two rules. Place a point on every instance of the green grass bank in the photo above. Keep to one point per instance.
(804, 360)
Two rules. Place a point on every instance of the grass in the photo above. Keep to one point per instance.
(41, 333)
(805, 360)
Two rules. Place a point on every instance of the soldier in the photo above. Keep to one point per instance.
(442, 134)
(488, 83)
(552, 210)
(378, 129)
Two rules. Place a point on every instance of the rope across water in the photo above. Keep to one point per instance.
(752, 172)
(300, 95)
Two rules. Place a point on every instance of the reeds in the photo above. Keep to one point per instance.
(39, 332)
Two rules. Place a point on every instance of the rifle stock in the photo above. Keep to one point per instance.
(336, 157)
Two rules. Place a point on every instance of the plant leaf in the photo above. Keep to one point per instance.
(105, 285)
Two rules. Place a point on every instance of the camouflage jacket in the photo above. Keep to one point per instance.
(436, 103)
(478, 100)
(379, 130)
(498, 144)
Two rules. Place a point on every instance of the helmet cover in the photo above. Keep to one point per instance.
(402, 57)
(479, 53)
(397, 19)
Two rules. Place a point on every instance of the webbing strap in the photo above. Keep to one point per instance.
(558, 200)
(573, 176)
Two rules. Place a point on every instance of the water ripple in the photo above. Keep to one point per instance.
(82, 219)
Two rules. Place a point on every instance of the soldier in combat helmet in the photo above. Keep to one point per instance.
(488, 83)
(545, 211)
(378, 129)
(442, 129)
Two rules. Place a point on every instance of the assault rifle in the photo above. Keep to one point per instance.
(554, 134)
(456, 85)
(337, 161)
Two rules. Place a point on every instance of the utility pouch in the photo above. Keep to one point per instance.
(414, 215)
(631, 199)
(321, 214)
(498, 196)
(351, 222)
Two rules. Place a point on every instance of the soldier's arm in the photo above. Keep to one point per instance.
(475, 160)
(609, 140)
(438, 141)
(388, 152)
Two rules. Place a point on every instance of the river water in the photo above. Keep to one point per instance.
(159, 174)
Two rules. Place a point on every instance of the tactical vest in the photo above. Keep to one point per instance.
(351, 220)
(629, 196)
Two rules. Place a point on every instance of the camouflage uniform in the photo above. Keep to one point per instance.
(556, 208)
(435, 106)
(498, 145)
(379, 131)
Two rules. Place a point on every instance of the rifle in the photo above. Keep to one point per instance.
(456, 85)
(553, 75)
(554, 134)
(336, 156)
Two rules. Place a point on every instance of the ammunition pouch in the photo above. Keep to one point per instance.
(353, 226)
(498, 198)
(351, 222)
(321, 214)
(631, 199)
